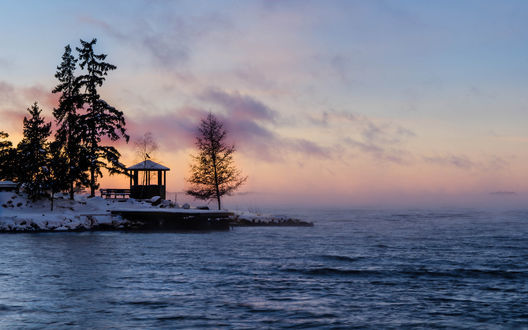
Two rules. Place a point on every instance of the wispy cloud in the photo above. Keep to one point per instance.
(380, 152)
(20, 96)
(14, 100)
(5, 63)
(465, 162)
(173, 131)
(459, 161)
(249, 122)
(239, 106)
(378, 139)
(7, 93)
(328, 117)
(503, 193)
(166, 36)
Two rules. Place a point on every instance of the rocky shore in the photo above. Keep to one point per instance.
(238, 221)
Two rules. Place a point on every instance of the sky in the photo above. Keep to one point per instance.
(329, 103)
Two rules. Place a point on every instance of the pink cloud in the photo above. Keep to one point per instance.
(239, 106)
(14, 101)
(41, 95)
(246, 119)
(174, 131)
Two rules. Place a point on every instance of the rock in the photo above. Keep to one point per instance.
(186, 206)
(165, 203)
(156, 200)
(204, 207)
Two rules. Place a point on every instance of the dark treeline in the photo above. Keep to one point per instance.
(73, 157)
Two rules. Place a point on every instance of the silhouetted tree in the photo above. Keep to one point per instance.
(32, 154)
(69, 126)
(7, 158)
(100, 119)
(57, 163)
(213, 173)
(146, 146)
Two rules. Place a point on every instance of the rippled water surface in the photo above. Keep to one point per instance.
(353, 269)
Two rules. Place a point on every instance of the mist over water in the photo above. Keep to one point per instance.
(316, 200)
(364, 268)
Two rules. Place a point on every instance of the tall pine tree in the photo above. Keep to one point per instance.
(69, 125)
(101, 119)
(32, 153)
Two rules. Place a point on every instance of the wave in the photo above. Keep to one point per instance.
(340, 258)
(150, 304)
(434, 215)
(470, 273)
(330, 271)
(455, 273)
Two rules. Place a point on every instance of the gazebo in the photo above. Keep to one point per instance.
(145, 189)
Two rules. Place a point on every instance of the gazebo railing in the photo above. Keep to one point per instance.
(147, 191)
(115, 193)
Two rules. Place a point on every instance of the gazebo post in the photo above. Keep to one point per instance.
(160, 186)
(164, 184)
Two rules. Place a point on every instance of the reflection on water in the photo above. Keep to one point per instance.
(354, 268)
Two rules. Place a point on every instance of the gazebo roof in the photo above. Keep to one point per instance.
(148, 165)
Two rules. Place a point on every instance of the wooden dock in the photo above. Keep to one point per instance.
(175, 219)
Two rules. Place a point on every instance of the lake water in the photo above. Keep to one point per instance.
(352, 269)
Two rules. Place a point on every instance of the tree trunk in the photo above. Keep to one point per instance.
(52, 198)
(216, 182)
(92, 182)
(71, 190)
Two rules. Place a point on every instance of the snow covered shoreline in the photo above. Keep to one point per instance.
(18, 214)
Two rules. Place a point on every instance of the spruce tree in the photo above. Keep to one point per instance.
(32, 153)
(100, 119)
(7, 158)
(4, 143)
(69, 125)
(213, 173)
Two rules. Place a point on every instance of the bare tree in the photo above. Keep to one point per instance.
(213, 172)
(146, 146)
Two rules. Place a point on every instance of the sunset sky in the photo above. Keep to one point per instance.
(330, 103)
